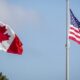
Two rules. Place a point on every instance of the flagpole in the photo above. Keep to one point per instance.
(67, 40)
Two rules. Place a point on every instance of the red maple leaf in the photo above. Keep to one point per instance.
(3, 36)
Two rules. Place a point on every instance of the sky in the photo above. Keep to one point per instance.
(41, 26)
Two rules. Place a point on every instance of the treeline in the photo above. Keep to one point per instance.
(3, 77)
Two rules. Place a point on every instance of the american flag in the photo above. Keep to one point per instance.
(74, 30)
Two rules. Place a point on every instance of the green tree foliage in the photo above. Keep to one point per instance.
(3, 77)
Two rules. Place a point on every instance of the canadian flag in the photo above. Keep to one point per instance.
(9, 41)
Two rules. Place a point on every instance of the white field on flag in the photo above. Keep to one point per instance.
(4, 45)
(74, 34)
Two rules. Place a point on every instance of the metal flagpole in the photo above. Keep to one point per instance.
(67, 40)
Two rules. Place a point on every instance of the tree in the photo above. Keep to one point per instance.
(3, 77)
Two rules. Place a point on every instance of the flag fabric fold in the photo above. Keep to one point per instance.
(74, 30)
(9, 41)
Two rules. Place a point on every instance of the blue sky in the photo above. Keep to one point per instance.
(41, 25)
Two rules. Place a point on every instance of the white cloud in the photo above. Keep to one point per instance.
(16, 15)
(4, 12)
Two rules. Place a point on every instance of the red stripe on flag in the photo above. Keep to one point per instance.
(74, 34)
(77, 36)
(73, 28)
(74, 39)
